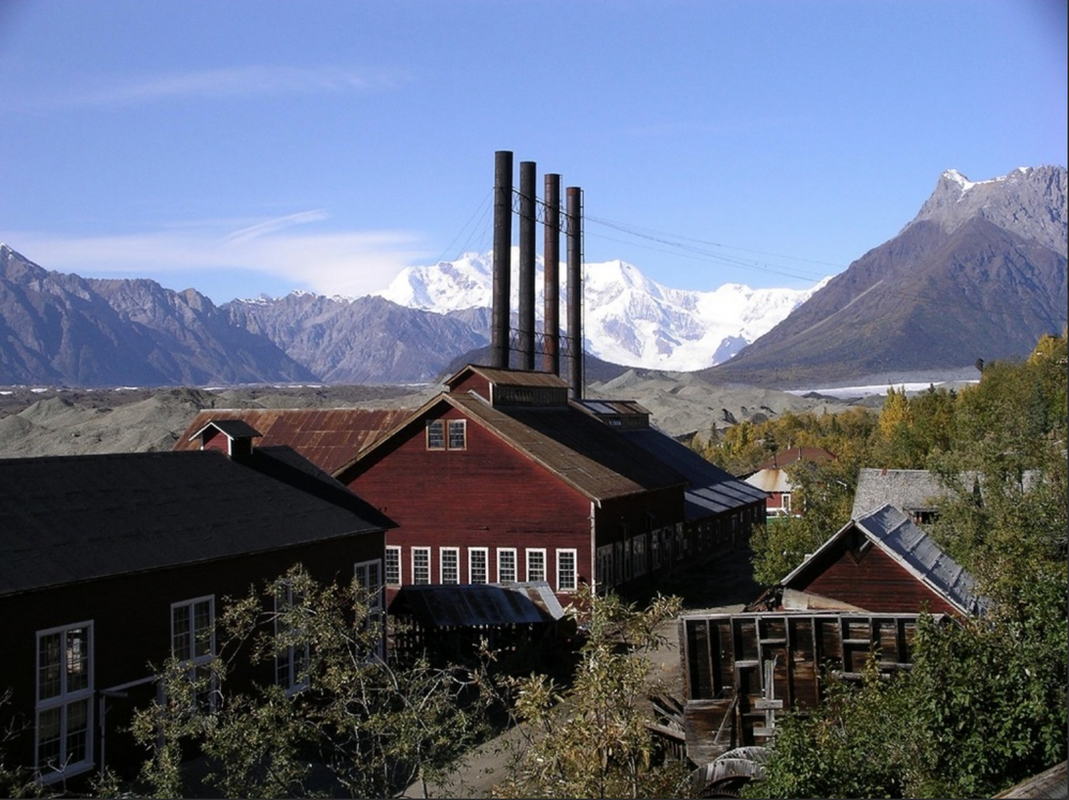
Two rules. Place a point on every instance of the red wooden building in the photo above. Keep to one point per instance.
(881, 562)
(502, 479)
(111, 563)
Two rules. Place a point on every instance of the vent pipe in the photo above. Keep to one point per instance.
(551, 224)
(526, 332)
(502, 268)
(575, 289)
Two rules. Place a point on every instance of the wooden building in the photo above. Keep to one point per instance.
(772, 477)
(881, 562)
(501, 478)
(110, 564)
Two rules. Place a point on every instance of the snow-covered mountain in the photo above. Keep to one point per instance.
(628, 318)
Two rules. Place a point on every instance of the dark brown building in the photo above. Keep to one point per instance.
(111, 564)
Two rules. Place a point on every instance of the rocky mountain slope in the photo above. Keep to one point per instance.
(62, 329)
(979, 274)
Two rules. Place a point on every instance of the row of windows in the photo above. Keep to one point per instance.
(478, 566)
(65, 680)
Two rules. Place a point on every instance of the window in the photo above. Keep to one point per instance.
(449, 565)
(291, 658)
(64, 709)
(393, 565)
(536, 564)
(506, 564)
(435, 434)
(605, 573)
(639, 550)
(478, 568)
(193, 644)
(458, 439)
(655, 549)
(368, 575)
(567, 576)
(421, 565)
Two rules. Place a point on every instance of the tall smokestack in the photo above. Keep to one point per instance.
(575, 289)
(552, 274)
(527, 266)
(499, 331)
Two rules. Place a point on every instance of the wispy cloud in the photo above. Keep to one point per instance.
(347, 263)
(248, 81)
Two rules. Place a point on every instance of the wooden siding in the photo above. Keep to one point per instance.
(871, 580)
(741, 671)
(131, 617)
(486, 495)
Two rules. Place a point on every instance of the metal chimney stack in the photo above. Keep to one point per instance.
(575, 290)
(551, 224)
(502, 269)
(526, 332)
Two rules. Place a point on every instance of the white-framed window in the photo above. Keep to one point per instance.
(605, 573)
(567, 570)
(458, 434)
(536, 563)
(368, 575)
(435, 434)
(449, 565)
(478, 565)
(193, 644)
(63, 741)
(421, 565)
(506, 565)
(393, 565)
(291, 658)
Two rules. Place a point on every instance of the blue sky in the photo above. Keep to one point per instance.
(247, 148)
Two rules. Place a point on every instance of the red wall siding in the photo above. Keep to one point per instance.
(487, 495)
(875, 582)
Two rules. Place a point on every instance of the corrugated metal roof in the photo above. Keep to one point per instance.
(710, 490)
(78, 518)
(329, 438)
(477, 605)
(911, 547)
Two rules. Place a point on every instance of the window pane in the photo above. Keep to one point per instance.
(77, 731)
(180, 626)
(477, 564)
(48, 684)
(77, 659)
(506, 566)
(536, 565)
(48, 736)
(202, 621)
(393, 566)
(457, 438)
(421, 565)
(436, 435)
(450, 565)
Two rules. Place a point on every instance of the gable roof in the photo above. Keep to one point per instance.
(710, 489)
(329, 438)
(70, 519)
(907, 489)
(905, 543)
(792, 455)
(581, 451)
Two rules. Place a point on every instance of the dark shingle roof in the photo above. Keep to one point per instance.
(79, 518)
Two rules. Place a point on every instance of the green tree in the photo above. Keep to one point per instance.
(590, 739)
(371, 728)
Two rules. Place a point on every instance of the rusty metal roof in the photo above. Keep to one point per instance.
(329, 438)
